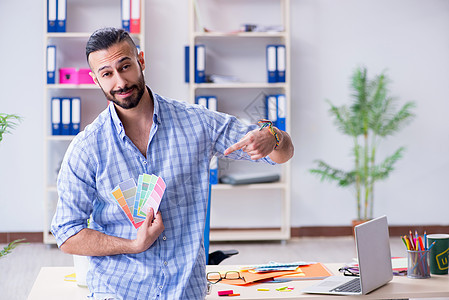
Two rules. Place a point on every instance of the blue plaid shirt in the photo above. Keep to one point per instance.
(182, 141)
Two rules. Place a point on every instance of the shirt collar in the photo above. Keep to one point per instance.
(118, 123)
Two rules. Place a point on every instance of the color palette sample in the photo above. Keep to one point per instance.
(135, 201)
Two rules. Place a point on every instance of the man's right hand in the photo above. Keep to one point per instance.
(149, 231)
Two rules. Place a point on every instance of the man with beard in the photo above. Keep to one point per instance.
(143, 132)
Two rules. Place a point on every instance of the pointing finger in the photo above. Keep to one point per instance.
(237, 146)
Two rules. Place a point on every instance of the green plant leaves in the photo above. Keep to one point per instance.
(370, 116)
(7, 122)
(7, 249)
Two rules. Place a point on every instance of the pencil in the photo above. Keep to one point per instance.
(411, 240)
(425, 240)
(409, 246)
(403, 240)
(421, 244)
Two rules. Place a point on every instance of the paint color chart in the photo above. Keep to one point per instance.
(135, 201)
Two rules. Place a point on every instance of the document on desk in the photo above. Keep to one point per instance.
(299, 271)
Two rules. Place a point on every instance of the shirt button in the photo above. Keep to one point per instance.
(164, 238)
(160, 287)
(144, 162)
(165, 263)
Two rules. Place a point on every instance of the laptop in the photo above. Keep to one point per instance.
(374, 259)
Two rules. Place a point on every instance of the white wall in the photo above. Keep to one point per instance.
(329, 39)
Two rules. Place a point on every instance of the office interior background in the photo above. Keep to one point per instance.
(406, 38)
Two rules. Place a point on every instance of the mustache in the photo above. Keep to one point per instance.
(123, 90)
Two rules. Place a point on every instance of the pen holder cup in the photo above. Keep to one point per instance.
(418, 264)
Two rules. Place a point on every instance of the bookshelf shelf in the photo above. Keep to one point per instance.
(72, 86)
(260, 186)
(247, 91)
(60, 137)
(84, 35)
(240, 85)
(198, 35)
(70, 47)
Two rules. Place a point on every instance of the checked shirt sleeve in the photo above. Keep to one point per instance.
(76, 189)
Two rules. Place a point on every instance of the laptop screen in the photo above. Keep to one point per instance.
(373, 252)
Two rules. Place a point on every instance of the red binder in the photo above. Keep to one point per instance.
(135, 17)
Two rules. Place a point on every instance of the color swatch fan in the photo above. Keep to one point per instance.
(135, 201)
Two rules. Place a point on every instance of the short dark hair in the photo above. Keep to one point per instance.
(106, 37)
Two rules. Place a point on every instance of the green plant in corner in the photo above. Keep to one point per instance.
(8, 122)
(371, 117)
(8, 248)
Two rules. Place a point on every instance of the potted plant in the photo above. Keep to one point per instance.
(8, 248)
(8, 122)
(370, 117)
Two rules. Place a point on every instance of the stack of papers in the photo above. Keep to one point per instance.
(136, 200)
(275, 272)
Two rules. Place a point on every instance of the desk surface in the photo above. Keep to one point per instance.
(50, 285)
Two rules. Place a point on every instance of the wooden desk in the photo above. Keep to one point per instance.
(50, 285)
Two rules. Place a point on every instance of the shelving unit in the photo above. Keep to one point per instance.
(283, 188)
(83, 17)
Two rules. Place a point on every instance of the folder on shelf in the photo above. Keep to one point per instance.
(51, 15)
(213, 167)
(213, 170)
(201, 100)
(271, 63)
(126, 14)
(134, 27)
(281, 111)
(212, 103)
(271, 113)
(209, 102)
(51, 64)
(65, 116)
(55, 116)
(186, 64)
(200, 63)
(62, 16)
(280, 63)
(75, 120)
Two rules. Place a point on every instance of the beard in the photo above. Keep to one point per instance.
(131, 101)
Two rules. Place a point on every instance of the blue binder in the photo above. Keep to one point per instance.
(281, 111)
(271, 64)
(55, 116)
(201, 100)
(126, 14)
(186, 64)
(52, 14)
(280, 62)
(51, 64)
(271, 108)
(213, 167)
(75, 119)
(213, 170)
(65, 115)
(200, 63)
(212, 103)
(61, 16)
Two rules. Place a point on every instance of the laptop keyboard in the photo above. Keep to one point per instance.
(352, 286)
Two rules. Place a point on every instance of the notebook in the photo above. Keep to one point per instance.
(374, 258)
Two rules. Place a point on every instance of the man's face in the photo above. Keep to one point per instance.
(119, 73)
